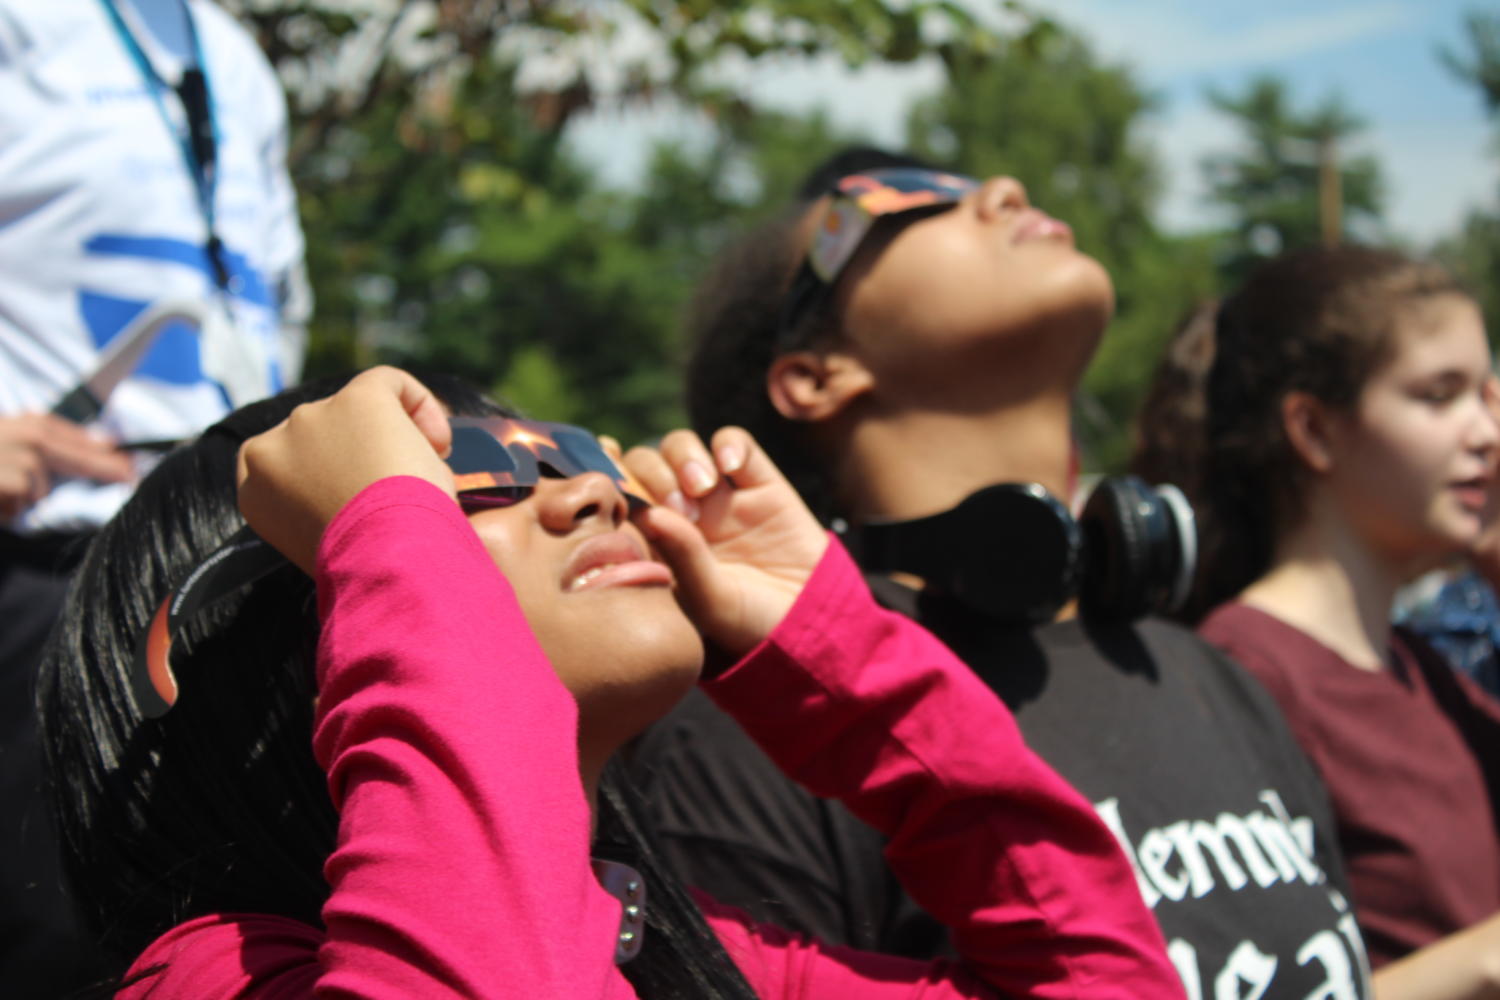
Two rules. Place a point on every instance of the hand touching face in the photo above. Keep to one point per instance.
(739, 542)
(296, 477)
(602, 608)
(739, 538)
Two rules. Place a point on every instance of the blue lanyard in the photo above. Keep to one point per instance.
(199, 145)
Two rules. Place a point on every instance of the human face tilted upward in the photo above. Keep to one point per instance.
(602, 609)
(990, 287)
(1413, 464)
(552, 511)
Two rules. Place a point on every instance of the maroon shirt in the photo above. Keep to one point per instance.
(1411, 758)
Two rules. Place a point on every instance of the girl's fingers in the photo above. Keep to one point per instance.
(697, 474)
(685, 550)
(651, 469)
(699, 483)
(297, 476)
(419, 403)
(742, 460)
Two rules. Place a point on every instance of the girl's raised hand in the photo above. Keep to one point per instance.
(296, 476)
(739, 539)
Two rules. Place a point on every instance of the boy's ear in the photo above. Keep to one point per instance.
(1308, 426)
(812, 386)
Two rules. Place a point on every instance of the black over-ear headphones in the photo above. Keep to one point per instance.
(1014, 552)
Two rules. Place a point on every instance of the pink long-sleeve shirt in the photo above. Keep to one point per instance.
(462, 865)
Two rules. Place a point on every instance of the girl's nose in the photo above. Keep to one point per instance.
(999, 196)
(569, 503)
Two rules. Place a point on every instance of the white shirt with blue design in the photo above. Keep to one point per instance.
(100, 218)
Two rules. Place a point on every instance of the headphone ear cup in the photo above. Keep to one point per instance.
(1185, 532)
(1117, 547)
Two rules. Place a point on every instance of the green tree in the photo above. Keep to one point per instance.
(693, 200)
(1050, 113)
(1474, 252)
(1480, 64)
(1290, 183)
(1474, 255)
(448, 223)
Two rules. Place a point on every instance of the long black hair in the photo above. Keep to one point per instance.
(219, 806)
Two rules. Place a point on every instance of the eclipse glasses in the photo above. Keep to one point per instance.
(496, 462)
(856, 203)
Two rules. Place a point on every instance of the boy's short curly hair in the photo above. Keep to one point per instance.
(733, 326)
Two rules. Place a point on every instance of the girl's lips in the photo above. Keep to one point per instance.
(1037, 225)
(1473, 495)
(612, 560)
(643, 573)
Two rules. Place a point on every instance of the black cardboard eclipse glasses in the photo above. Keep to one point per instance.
(856, 202)
(496, 462)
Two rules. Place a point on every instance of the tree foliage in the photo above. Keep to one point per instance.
(1474, 255)
(1474, 252)
(1289, 173)
(1480, 64)
(448, 222)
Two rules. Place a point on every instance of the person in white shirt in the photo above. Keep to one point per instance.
(142, 162)
(107, 207)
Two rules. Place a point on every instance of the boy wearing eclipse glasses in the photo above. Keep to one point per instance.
(906, 344)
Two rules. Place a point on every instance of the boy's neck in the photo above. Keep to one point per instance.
(914, 463)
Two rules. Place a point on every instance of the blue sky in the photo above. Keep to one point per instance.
(1427, 128)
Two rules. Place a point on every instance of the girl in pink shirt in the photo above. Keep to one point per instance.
(396, 783)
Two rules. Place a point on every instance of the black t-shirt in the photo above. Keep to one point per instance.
(1185, 757)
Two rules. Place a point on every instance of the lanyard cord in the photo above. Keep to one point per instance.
(200, 145)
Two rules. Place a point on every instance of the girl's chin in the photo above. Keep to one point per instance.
(1468, 519)
(1457, 533)
(612, 715)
